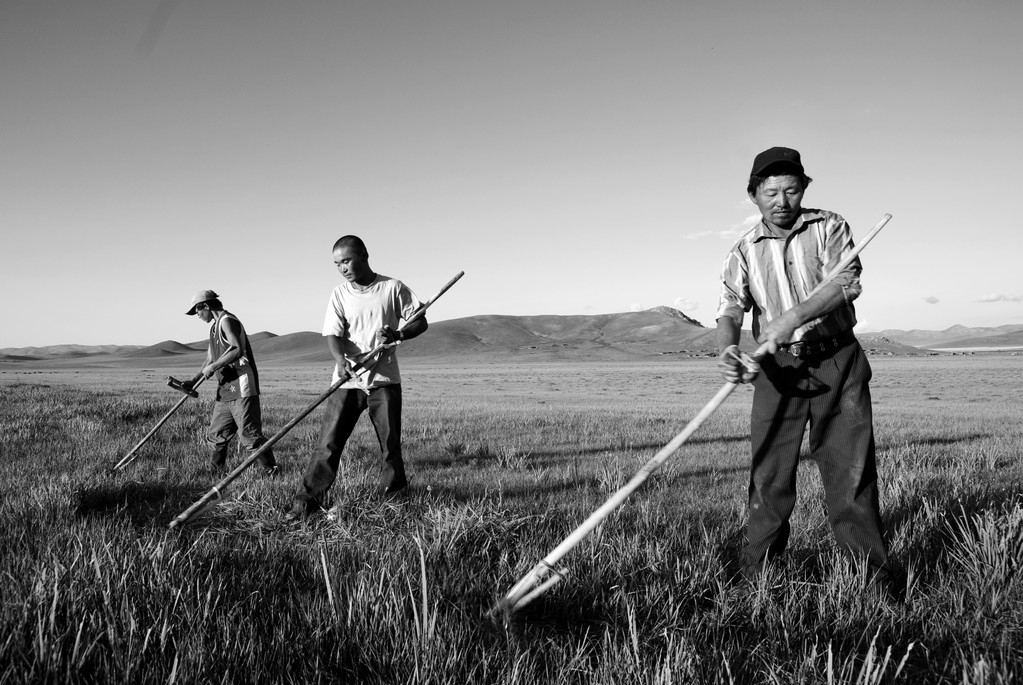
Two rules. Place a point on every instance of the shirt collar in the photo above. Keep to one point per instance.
(763, 231)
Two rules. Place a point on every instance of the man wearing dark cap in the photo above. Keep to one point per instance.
(814, 372)
(230, 357)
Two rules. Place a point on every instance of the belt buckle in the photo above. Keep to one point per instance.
(804, 349)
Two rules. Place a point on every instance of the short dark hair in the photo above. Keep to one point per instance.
(756, 181)
(352, 241)
(214, 304)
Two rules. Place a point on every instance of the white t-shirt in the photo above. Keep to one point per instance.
(355, 314)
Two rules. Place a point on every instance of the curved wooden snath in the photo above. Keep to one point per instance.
(216, 491)
(544, 575)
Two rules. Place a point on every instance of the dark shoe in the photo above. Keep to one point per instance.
(218, 460)
(889, 587)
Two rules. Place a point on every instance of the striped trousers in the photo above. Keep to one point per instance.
(830, 392)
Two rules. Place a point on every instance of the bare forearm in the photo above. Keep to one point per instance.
(337, 349)
(415, 328)
(827, 300)
(780, 330)
(230, 356)
(732, 368)
(205, 364)
(727, 333)
(211, 367)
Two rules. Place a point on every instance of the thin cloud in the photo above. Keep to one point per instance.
(732, 233)
(931, 299)
(1000, 297)
(684, 304)
(747, 223)
(725, 234)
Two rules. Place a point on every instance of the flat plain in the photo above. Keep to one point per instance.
(505, 460)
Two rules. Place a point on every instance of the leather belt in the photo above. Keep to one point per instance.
(819, 347)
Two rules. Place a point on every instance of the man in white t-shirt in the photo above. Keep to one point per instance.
(363, 312)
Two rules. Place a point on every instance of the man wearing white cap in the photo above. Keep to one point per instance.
(230, 357)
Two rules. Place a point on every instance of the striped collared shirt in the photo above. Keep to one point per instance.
(770, 271)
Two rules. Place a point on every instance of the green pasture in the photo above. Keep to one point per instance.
(505, 461)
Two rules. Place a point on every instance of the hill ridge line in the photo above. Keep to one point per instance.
(657, 331)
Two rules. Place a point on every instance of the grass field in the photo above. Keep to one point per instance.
(505, 461)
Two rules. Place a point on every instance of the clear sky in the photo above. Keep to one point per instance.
(572, 157)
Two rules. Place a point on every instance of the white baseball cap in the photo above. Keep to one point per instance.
(200, 297)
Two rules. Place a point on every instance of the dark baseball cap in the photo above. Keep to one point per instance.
(777, 160)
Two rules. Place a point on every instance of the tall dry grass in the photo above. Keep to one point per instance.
(505, 460)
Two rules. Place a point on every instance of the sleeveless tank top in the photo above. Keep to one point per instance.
(239, 378)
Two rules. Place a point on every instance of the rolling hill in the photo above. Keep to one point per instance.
(661, 332)
(64, 351)
(654, 332)
(607, 336)
(166, 348)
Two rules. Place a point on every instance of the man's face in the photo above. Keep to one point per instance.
(352, 264)
(203, 312)
(779, 199)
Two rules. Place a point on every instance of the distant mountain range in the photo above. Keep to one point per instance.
(959, 336)
(661, 331)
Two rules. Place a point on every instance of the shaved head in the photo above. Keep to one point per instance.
(352, 241)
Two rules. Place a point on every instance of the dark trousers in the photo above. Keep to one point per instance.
(831, 393)
(228, 417)
(343, 410)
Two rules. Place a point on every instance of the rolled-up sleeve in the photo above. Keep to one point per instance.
(838, 244)
(735, 299)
